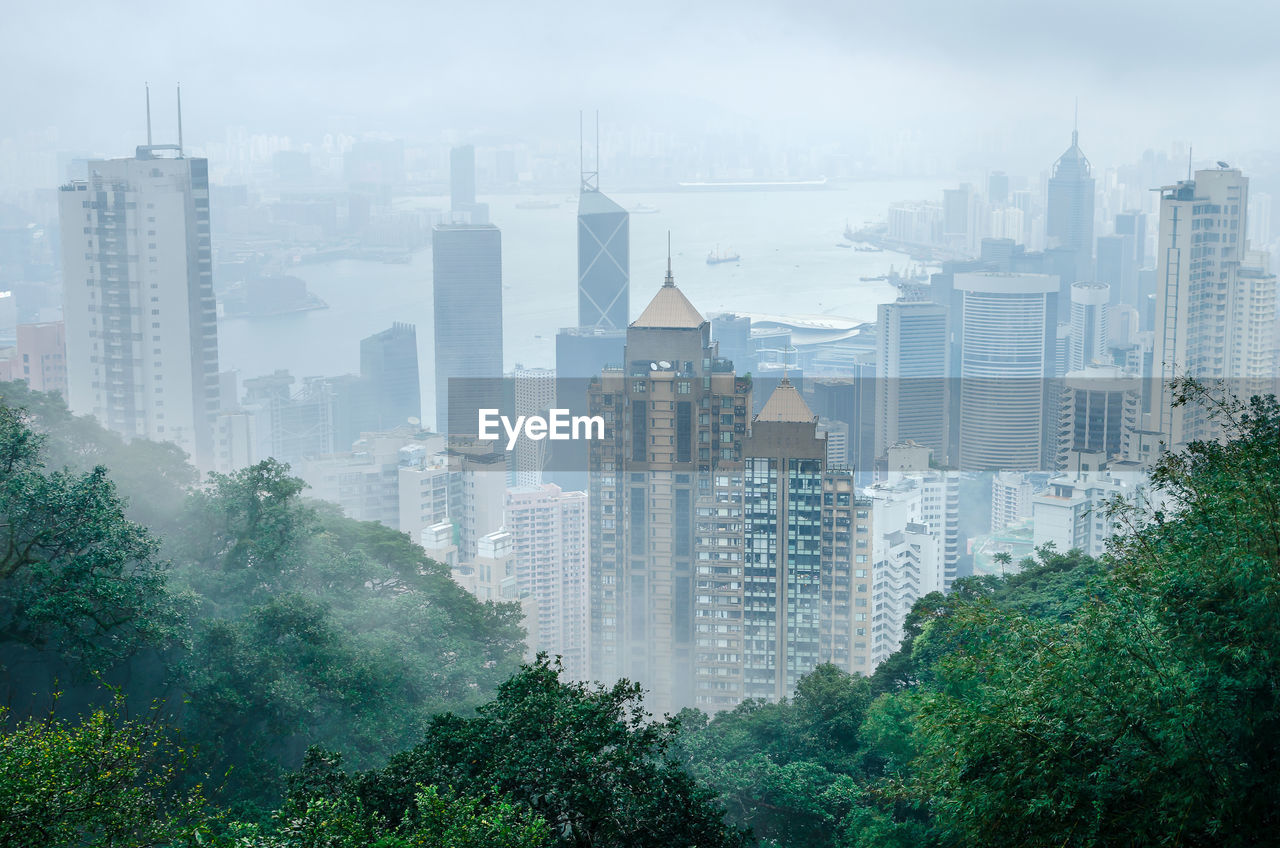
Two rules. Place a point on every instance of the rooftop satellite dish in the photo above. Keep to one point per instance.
(1222, 164)
(653, 366)
(664, 364)
(415, 421)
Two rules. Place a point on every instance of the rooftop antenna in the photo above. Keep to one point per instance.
(670, 280)
(1075, 124)
(597, 148)
(148, 87)
(1189, 149)
(590, 179)
(179, 121)
(786, 362)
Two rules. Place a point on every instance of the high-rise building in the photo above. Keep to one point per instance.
(666, 512)
(911, 374)
(782, 550)
(389, 363)
(604, 253)
(1117, 267)
(907, 560)
(849, 403)
(836, 434)
(535, 394)
(1133, 223)
(467, 292)
(138, 304)
(1088, 340)
(998, 188)
(1069, 213)
(806, 555)
(1100, 408)
(1007, 350)
(845, 604)
(1213, 301)
(732, 333)
(604, 262)
(549, 527)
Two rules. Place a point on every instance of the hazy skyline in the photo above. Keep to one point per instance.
(996, 82)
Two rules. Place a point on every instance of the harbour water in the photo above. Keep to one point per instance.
(790, 265)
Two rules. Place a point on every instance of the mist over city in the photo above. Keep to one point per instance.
(616, 425)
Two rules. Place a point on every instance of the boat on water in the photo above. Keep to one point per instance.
(537, 204)
(644, 209)
(849, 234)
(715, 257)
(869, 248)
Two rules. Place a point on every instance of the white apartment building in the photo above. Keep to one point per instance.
(138, 304)
(550, 537)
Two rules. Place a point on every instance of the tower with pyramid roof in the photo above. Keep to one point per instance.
(1069, 215)
(801, 531)
(666, 511)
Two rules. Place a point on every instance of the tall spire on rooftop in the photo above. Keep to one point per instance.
(670, 309)
(670, 280)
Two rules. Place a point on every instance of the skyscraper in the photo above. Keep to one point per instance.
(604, 254)
(389, 362)
(1088, 341)
(800, 590)
(911, 369)
(666, 512)
(1213, 299)
(138, 304)
(604, 262)
(1007, 350)
(467, 292)
(550, 530)
(1069, 216)
(604, 306)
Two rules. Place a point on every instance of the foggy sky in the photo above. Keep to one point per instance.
(1003, 77)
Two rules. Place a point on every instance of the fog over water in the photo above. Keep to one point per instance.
(787, 240)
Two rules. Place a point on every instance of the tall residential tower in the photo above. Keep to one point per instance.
(141, 324)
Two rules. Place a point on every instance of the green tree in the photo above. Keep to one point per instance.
(1149, 714)
(587, 760)
(105, 780)
(77, 578)
(436, 820)
(317, 629)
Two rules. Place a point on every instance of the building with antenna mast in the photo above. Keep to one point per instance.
(604, 299)
(604, 251)
(141, 322)
(1069, 215)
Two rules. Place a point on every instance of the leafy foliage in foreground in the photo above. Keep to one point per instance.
(1132, 701)
(264, 622)
(586, 760)
(105, 780)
